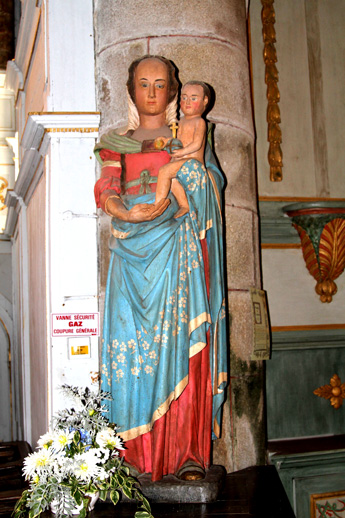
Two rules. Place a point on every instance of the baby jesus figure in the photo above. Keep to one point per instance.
(191, 132)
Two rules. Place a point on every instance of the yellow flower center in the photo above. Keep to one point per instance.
(42, 461)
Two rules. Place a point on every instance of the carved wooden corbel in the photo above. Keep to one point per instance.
(321, 228)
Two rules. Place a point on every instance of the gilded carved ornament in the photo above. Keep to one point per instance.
(335, 391)
(274, 135)
(3, 186)
(321, 228)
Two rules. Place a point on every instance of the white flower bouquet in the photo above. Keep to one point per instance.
(78, 459)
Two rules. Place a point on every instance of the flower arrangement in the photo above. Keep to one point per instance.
(78, 459)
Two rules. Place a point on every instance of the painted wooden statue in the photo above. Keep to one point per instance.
(164, 336)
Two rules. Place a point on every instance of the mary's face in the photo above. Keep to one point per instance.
(151, 87)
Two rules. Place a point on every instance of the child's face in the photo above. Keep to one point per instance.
(193, 100)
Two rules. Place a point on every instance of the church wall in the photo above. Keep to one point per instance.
(21, 396)
(306, 333)
(35, 90)
(25, 76)
(36, 222)
(73, 275)
(308, 336)
(5, 393)
(52, 220)
(309, 47)
(332, 43)
(6, 337)
(291, 294)
(70, 134)
(70, 56)
(6, 270)
(7, 131)
(295, 104)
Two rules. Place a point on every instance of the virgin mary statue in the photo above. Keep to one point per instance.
(164, 335)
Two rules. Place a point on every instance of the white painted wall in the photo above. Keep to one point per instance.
(70, 55)
(7, 130)
(292, 299)
(295, 96)
(73, 275)
(53, 72)
(7, 430)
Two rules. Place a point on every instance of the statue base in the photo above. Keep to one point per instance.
(173, 490)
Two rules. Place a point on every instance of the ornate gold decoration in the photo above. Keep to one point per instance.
(330, 262)
(274, 135)
(71, 130)
(3, 186)
(330, 505)
(335, 391)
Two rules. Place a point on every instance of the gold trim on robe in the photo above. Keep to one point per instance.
(202, 233)
(216, 192)
(140, 430)
(118, 234)
(111, 163)
(196, 322)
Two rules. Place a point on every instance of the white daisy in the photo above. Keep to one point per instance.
(103, 475)
(46, 440)
(85, 466)
(38, 462)
(62, 439)
(107, 438)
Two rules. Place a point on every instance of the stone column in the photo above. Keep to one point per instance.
(207, 40)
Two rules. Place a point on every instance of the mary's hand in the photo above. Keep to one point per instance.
(146, 212)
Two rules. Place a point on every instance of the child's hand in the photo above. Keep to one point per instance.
(178, 153)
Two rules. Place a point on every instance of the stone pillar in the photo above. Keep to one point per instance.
(207, 40)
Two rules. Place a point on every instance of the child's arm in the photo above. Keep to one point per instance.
(197, 142)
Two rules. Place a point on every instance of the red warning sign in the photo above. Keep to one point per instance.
(75, 324)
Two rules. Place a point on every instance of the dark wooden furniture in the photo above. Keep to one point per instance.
(12, 482)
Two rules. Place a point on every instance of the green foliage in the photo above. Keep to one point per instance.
(144, 508)
(114, 496)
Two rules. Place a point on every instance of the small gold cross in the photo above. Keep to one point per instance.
(174, 127)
